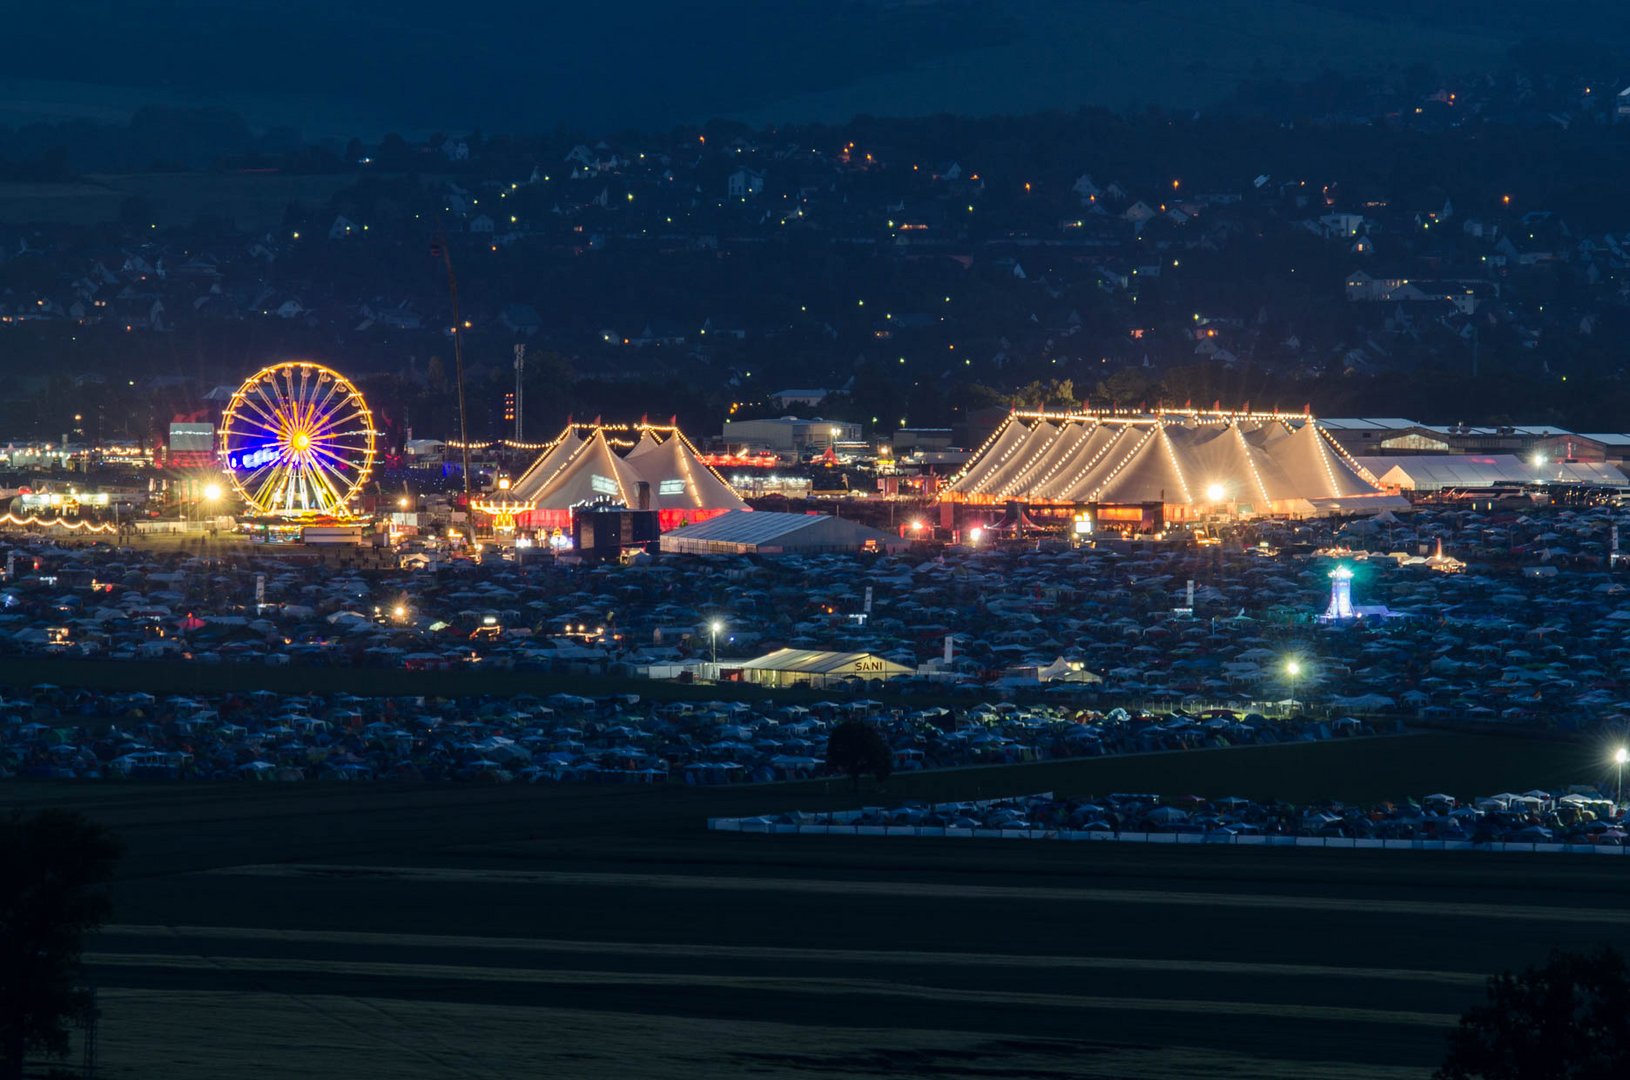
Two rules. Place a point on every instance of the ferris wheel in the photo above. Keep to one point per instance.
(297, 439)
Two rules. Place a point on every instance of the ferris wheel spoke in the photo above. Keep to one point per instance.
(331, 413)
(319, 406)
(256, 474)
(338, 418)
(266, 493)
(318, 398)
(333, 494)
(268, 410)
(330, 476)
(257, 403)
(256, 422)
(329, 454)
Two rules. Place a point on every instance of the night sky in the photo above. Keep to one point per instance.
(363, 67)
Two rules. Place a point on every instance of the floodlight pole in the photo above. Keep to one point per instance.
(458, 362)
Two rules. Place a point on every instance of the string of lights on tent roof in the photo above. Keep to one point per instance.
(584, 465)
(1189, 460)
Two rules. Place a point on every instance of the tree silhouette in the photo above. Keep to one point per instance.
(1565, 1019)
(855, 748)
(53, 892)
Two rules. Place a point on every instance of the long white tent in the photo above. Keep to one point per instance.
(1190, 461)
(769, 532)
(1435, 472)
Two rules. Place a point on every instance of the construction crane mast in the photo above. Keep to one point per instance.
(520, 368)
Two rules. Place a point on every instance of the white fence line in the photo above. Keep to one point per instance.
(750, 825)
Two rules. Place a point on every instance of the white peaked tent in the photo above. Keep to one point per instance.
(1316, 469)
(592, 473)
(647, 443)
(678, 480)
(584, 465)
(983, 466)
(554, 457)
(1189, 461)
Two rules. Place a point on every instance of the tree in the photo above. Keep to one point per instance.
(1566, 1019)
(53, 892)
(855, 748)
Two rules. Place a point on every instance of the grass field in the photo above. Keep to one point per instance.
(252, 200)
(417, 931)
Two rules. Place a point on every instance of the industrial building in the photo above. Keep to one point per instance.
(790, 436)
(1365, 436)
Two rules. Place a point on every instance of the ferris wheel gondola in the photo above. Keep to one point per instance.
(297, 440)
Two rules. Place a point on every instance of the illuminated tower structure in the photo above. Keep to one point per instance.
(1341, 595)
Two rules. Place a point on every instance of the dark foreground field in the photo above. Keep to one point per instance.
(586, 932)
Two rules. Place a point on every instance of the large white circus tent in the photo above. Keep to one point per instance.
(646, 467)
(1188, 461)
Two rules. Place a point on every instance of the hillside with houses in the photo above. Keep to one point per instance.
(1466, 235)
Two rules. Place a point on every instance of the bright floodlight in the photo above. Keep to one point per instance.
(975, 533)
(1621, 755)
(1215, 492)
(212, 492)
(402, 502)
(916, 526)
(1538, 461)
(399, 611)
(1293, 667)
(716, 626)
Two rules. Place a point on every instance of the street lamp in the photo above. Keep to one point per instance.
(1293, 668)
(714, 627)
(1620, 756)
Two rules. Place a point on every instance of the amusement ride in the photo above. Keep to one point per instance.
(297, 441)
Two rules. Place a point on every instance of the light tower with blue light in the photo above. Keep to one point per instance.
(1341, 595)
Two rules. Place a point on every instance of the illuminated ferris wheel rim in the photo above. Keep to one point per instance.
(297, 440)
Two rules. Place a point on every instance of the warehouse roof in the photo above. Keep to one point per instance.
(819, 662)
(1431, 471)
(748, 529)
